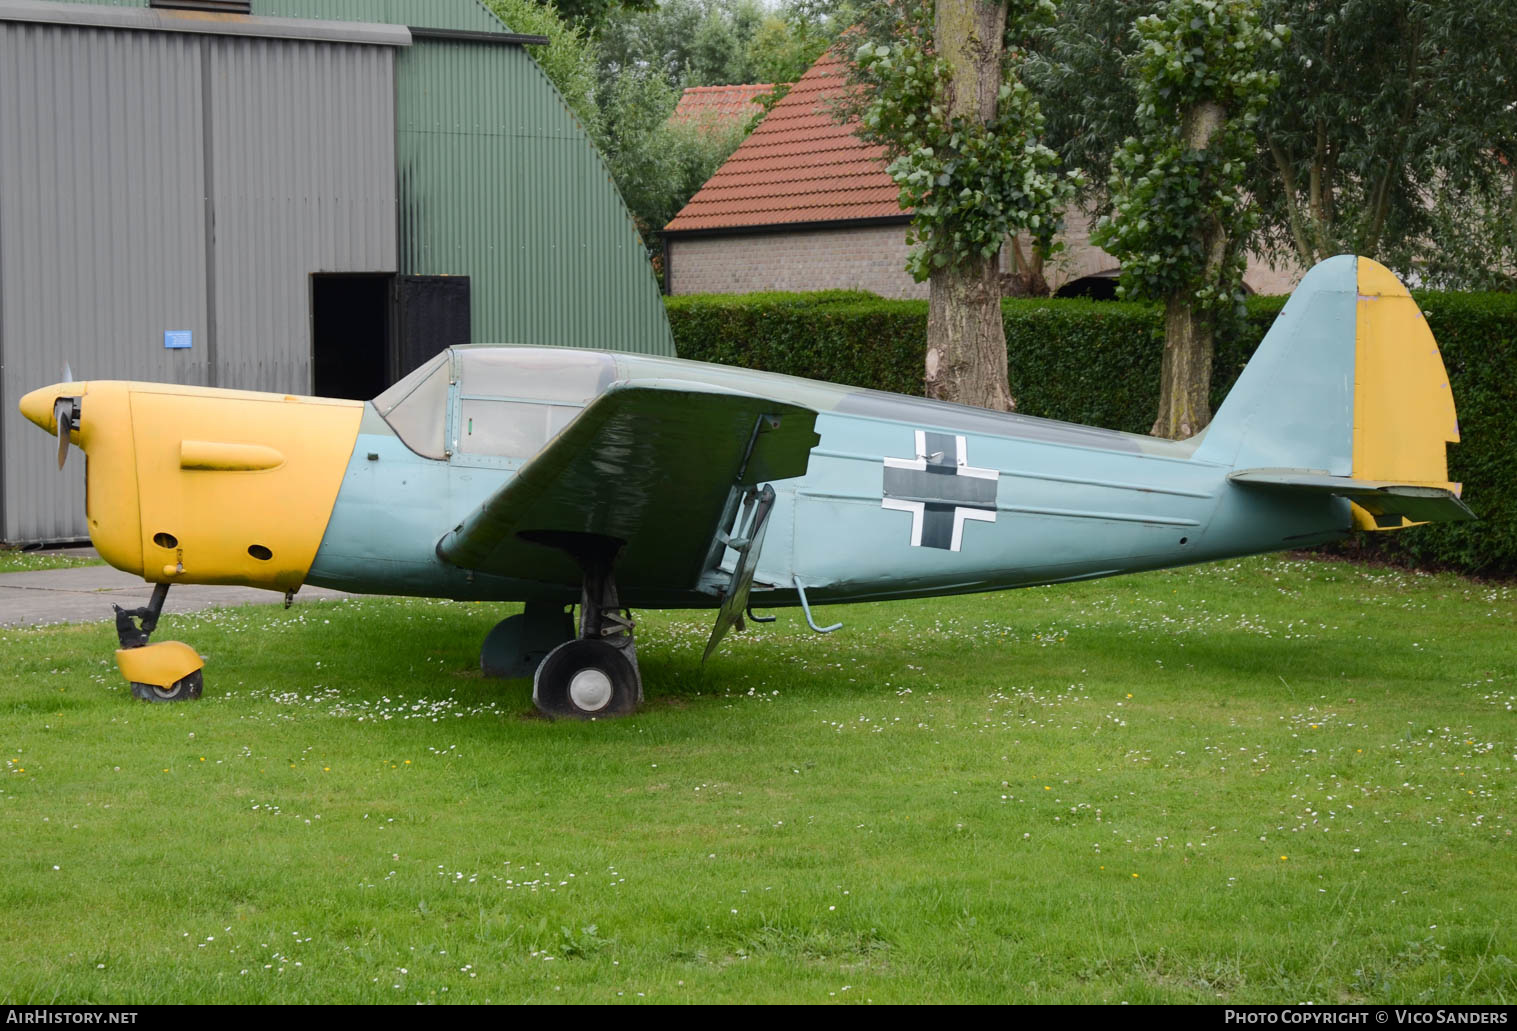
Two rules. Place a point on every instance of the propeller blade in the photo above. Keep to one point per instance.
(63, 415)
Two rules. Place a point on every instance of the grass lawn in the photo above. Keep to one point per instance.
(1273, 780)
(14, 560)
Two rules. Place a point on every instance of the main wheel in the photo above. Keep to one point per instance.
(585, 679)
(186, 689)
(517, 645)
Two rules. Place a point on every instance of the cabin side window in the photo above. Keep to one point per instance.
(512, 401)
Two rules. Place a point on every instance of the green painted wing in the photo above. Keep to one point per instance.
(651, 463)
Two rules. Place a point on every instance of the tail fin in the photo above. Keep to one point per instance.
(1349, 389)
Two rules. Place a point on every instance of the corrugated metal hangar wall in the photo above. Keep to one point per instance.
(199, 176)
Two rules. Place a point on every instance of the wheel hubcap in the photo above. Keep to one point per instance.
(590, 690)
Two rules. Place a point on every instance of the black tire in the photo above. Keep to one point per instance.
(577, 675)
(186, 690)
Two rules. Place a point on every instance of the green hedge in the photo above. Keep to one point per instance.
(1097, 362)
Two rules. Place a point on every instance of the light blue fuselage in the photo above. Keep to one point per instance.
(1069, 502)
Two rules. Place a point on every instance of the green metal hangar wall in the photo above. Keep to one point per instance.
(310, 198)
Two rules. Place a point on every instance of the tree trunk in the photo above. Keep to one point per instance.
(1185, 378)
(1026, 276)
(966, 342)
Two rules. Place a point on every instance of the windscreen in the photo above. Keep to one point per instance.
(417, 408)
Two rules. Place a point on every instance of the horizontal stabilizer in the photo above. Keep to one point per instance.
(1392, 505)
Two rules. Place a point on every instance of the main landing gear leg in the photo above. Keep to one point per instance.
(595, 675)
(168, 671)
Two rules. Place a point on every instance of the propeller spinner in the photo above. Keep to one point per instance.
(56, 410)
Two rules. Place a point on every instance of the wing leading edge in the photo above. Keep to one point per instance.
(655, 464)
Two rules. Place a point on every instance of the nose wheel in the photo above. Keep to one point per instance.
(168, 671)
(186, 689)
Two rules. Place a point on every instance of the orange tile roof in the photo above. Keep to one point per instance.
(720, 103)
(798, 165)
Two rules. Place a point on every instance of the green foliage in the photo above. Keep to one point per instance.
(722, 42)
(1097, 363)
(790, 40)
(1077, 67)
(658, 165)
(970, 184)
(634, 111)
(592, 14)
(646, 54)
(1476, 230)
(1384, 104)
(1177, 186)
(684, 155)
(837, 335)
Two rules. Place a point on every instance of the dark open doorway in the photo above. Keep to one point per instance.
(369, 330)
(350, 335)
(1101, 287)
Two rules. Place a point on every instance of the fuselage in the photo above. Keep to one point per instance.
(903, 497)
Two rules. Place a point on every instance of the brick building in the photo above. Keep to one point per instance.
(804, 204)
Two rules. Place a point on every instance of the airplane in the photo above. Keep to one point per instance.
(555, 476)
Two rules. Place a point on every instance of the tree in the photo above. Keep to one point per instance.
(591, 15)
(1180, 217)
(1385, 108)
(944, 97)
(690, 42)
(1388, 135)
(658, 165)
(1077, 68)
(634, 110)
(1476, 234)
(790, 40)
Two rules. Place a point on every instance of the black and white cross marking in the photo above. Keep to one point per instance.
(940, 490)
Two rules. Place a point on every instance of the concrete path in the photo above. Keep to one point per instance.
(85, 594)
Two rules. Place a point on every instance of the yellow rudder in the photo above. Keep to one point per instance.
(1403, 404)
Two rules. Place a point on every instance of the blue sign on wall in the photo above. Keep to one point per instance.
(175, 339)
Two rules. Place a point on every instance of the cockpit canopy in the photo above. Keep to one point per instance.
(497, 401)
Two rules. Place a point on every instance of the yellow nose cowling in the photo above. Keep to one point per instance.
(198, 485)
